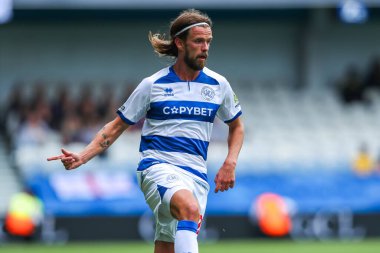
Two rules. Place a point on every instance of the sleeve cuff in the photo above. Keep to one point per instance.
(121, 115)
(235, 117)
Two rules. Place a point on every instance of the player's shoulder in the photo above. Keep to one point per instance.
(156, 76)
(218, 77)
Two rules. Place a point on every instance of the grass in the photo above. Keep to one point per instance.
(246, 246)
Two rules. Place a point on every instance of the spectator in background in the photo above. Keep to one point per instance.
(39, 101)
(61, 106)
(88, 114)
(351, 87)
(71, 126)
(86, 108)
(34, 130)
(26, 119)
(107, 103)
(372, 79)
(363, 164)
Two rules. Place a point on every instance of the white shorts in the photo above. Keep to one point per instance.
(159, 183)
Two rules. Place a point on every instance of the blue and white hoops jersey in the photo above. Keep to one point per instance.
(179, 117)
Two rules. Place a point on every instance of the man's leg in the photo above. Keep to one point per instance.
(163, 247)
(184, 207)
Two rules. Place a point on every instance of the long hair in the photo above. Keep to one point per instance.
(167, 47)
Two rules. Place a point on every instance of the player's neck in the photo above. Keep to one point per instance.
(184, 72)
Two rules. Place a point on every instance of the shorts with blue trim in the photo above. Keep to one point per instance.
(159, 182)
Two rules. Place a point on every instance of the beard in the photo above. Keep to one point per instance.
(192, 62)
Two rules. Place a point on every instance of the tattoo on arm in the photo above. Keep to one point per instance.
(106, 142)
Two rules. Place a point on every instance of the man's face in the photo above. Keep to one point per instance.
(196, 47)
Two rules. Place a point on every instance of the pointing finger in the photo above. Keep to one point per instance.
(55, 158)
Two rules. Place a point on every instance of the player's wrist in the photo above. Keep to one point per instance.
(82, 157)
(231, 163)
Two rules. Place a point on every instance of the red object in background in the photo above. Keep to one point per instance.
(19, 226)
(272, 214)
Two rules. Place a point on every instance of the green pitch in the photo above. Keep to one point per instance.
(259, 246)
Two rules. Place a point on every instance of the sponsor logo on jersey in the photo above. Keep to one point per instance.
(207, 93)
(122, 108)
(188, 110)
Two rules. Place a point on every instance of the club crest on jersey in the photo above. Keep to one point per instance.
(168, 92)
(207, 93)
(172, 178)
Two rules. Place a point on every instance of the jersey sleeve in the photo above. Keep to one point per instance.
(230, 108)
(137, 104)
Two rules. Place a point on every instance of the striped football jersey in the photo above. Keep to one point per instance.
(179, 117)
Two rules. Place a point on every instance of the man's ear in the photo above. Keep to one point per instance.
(179, 43)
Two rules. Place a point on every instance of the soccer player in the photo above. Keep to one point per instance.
(179, 103)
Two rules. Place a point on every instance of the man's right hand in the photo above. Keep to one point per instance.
(69, 159)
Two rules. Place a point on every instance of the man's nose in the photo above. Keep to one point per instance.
(205, 46)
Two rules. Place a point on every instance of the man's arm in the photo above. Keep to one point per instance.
(103, 139)
(225, 178)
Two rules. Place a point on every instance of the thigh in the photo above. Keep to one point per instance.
(158, 184)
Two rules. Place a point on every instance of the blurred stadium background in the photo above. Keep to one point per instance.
(307, 74)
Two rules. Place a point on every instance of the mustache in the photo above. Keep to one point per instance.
(205, 55)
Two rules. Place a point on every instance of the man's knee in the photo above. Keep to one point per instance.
(184, 206)
(190, 212)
